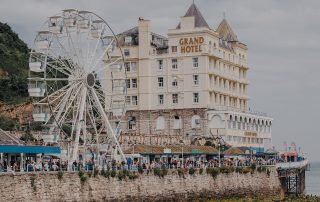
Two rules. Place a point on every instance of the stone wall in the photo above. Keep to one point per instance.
(145, 131)
(47, 187)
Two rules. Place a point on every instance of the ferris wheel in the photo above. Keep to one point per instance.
(78, 82)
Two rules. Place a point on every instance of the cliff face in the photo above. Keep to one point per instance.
(22, 113)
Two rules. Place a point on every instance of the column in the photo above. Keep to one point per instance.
(21, 162)
(1, 158)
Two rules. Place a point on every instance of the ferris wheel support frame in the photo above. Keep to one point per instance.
(108, 125)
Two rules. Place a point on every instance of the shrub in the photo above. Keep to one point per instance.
(140, 169)
(214, 172)
(107, 174)
(180, 172)
(263, 168)
(95, 172)
(208, 170)
(224, 170)
(201, 171)
(89, 173)
(238, 169)
(80, 173)
(121, 174)
(60, 175)
(246, 170)
(133, 175)
(102, 172)
(83, 179)
(253, 166)
(268, 172)
(191, 171)
(33, 182)
(156, 171)
(160, 172)
(113, 173)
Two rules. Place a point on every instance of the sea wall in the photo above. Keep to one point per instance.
(147, 187)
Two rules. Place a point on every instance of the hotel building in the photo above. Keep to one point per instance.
(189, 87)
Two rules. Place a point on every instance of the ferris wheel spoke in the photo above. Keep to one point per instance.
(69, 57)
(108, 126)
(95, 49)
(106, 66)
(61, 70)
(100, 57)
(80, 123)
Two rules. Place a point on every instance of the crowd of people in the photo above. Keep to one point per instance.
(131, 164)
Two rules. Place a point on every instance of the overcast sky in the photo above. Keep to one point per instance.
(282, 37)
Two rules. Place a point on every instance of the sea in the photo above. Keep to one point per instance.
(313, 179)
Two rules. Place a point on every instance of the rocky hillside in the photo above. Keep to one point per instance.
(15, 105)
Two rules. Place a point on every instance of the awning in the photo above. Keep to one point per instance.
(29, 149)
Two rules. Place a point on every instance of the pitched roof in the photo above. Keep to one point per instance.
(234, 151)
(226, 32)
(8, 139)
(199, 20)
(157, 149)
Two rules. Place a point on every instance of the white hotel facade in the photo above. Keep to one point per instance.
(189, 87)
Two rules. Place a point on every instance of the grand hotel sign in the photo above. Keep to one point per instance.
(191, 45)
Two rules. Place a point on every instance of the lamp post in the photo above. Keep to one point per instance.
(182, 155)
(219, 159)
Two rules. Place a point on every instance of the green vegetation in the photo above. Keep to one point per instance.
(160, 172)
(27, 136)
(60, 175)
(191, 171)
(33, 182)
(8, 124)
(14, 54)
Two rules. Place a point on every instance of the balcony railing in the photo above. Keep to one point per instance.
(228, 108)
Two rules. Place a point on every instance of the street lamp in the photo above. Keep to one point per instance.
(219, 159)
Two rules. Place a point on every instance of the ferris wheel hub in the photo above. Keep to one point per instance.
(91, 80)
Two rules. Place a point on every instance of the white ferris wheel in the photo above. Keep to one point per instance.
(78, 83)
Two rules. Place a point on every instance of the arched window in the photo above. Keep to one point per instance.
(176, 122)
(195, 121)
(160, 123)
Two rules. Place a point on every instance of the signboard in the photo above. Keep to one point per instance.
(191, 45)
(167, 151)
(195, 151)
(250, 134)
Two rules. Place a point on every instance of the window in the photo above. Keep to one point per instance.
(128, 83)
(126, 52)
(175, 98)
(134, 100)
(174, 63)
(176, 122)
(133, 66)
(160, 64)
(134, 83)
(127, 66)
(195, 62)
(160, 81)
(195, 97)
(131, 123)
(160, 99)
(128, 100)
(196, 79)
(160, 123)
(174, 49)
(174, 83)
